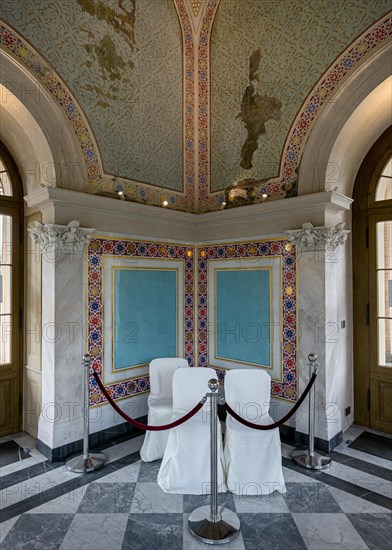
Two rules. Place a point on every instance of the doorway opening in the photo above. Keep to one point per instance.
(11, 294)
(372, 287)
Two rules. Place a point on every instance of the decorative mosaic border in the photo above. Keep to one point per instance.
(287, 389)
(300, 129)
(187, 202)
(96, 251)
(204, 107)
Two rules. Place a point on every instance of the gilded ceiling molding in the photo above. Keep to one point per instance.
(286, 184)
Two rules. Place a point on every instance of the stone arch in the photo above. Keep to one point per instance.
(350, 123)
(37, 133)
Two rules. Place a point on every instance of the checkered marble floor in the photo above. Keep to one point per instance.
(122, 507)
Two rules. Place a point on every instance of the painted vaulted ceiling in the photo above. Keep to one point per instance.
(180, 98)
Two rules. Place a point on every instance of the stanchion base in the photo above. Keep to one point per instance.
(318, 461)
(81, 465)
(224, 530)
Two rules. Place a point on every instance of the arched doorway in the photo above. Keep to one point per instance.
(372, 287)
(11, 294)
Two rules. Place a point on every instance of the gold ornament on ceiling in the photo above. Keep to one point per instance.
(196, 5)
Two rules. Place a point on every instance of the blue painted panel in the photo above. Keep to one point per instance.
(145, 316)
(243, 315)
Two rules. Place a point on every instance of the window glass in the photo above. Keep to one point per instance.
(384, 185)
(5, 182)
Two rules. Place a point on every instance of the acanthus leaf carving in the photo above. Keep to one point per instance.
(311, 238)
(50, 236)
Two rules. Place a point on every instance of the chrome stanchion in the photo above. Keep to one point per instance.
(86, 462)
(213, 524)
(312, 459)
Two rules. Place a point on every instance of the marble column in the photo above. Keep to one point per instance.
(62, 247)
(319, 323)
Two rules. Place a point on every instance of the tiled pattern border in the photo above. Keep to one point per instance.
(96, 251)
(203, 120)
(287, 389)
(101, 246)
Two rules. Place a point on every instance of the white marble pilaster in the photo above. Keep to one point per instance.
(61, 419)
(319, 250)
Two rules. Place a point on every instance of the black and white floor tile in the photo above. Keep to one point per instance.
(120, 506)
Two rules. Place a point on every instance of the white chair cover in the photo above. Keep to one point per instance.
(253, 457)
(160, 405)
(185, 467)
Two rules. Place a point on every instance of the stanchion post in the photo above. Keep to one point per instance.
(310, 458)
(86, 462)
(210, 524)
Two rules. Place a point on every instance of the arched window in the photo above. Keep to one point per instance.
(372, 291)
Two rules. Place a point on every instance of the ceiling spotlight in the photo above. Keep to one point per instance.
(223, 205)
(165, 203)
(264, 195)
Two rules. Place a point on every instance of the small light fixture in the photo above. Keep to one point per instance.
(120, 192)
(264, 195)
(165, 203)
(223, 205)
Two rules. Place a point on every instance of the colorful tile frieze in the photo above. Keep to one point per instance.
(101, 247)
(287, 387)
(97, 250)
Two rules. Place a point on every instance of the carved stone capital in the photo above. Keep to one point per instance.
(69, 238)
(311, 238)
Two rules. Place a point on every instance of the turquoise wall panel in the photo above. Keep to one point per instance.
(145, 316)
(243, 315)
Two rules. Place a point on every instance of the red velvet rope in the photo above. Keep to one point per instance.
(140, 424)
(278, 422)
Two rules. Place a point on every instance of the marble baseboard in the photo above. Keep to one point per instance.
(114, 434)
(290, 435)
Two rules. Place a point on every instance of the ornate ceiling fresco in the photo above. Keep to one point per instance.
(179, 98)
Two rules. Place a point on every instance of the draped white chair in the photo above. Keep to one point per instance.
(185, 467)
(160, 405)
(253, 457)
